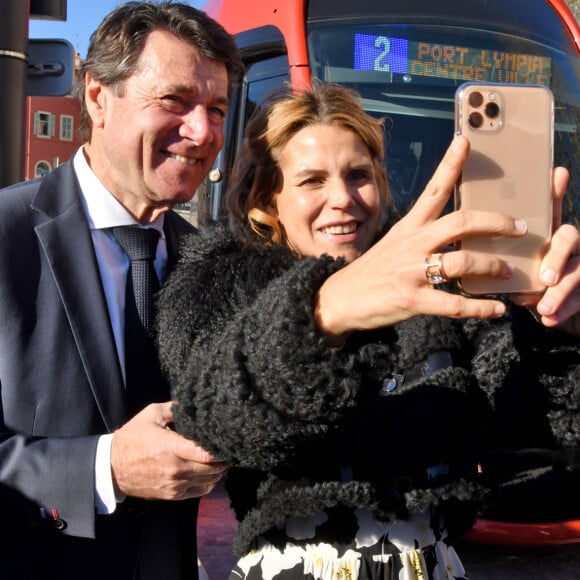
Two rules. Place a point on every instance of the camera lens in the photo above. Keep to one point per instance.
(475, 120)
(475, 99)
(492, 110)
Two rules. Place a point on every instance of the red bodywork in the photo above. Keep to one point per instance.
(290, 18)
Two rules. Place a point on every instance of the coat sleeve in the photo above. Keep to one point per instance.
(45, 461)
(252, 377)
(531, 376)
(49, 480)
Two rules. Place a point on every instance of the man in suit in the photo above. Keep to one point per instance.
(89, 490)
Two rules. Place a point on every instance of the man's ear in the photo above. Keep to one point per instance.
(95, 100)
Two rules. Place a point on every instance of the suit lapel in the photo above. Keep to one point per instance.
(66, 239)
(175, 228)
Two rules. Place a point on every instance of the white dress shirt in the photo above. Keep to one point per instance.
(103, 211)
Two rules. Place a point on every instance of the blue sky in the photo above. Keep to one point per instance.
(82, 18)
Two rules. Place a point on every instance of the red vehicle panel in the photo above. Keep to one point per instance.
(406, 58)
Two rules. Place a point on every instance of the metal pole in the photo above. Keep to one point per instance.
(13, 78)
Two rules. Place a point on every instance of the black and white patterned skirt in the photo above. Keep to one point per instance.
(321, 547)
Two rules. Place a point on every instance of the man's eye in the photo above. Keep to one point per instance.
(217, 114)
(173, 104)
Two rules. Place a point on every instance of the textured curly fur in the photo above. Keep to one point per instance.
(257, 386)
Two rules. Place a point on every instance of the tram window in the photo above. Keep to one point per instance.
(409, 74)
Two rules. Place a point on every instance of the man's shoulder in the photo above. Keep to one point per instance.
(179, 224)
(218, 248)
(15, 205)
(19, 191)
(22, 194)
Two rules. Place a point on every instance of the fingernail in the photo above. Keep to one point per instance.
(545, 306)
(499, 310)
(521, 225)
(549, 276)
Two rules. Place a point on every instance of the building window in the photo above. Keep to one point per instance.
(41, 168)
(44, 124)
(66, 127)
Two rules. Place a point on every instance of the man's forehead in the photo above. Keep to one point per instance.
(175, 64)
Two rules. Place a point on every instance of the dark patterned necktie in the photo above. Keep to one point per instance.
(144, 383)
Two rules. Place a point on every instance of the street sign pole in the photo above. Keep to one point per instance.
(13, 81)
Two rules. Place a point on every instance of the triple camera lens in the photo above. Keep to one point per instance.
(490, 111)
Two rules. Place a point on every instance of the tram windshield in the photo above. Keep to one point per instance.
(409, 74)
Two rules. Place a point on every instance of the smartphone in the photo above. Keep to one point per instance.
(511, 131)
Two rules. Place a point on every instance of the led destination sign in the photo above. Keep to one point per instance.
(430, 59)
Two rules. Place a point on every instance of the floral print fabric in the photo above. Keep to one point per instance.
(403, 550)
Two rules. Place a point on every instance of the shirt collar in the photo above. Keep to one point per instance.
(101, 208)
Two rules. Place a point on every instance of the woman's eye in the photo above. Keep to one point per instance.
(360, 175)
(312, 182)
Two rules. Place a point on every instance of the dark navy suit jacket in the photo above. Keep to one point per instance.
(61, 387)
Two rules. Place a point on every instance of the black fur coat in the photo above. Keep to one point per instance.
(308, 427)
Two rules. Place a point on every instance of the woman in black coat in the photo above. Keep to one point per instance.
(356, 395)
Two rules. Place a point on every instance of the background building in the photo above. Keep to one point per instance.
(52, 130)
(52, 134)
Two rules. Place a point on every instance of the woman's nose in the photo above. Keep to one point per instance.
(340, 194)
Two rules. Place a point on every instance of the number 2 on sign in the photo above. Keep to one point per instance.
(384, 44)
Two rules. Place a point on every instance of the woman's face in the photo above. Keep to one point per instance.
(329, 199)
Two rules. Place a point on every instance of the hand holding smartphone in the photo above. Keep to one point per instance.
(510, 128)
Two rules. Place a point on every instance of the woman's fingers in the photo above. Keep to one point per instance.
(432, 201)
(563, 300)
(461, 264)
(564, 246)
(438, 303)
(561, 272)
(560, 178)
(389, 282)
(461, 224)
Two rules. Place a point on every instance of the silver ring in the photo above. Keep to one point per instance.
(434, 269)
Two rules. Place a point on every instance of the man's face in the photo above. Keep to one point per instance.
(152, 145)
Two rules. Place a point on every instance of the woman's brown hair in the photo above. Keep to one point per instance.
(256, 173)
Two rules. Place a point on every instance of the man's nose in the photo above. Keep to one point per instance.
(196, 126)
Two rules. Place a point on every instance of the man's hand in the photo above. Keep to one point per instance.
(151, 461)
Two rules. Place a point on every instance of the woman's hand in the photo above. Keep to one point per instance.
(559, 306)
(387, 284)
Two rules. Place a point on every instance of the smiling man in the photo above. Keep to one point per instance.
(156, 136)
(89, 470)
